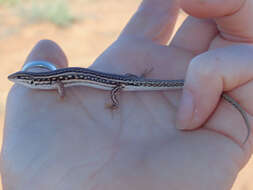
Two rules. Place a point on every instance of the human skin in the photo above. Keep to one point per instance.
(77, 143)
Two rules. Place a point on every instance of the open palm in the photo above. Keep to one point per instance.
(77, 143)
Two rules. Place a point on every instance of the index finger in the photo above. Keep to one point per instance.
(214, 23)
(154, 20)
(233, 17)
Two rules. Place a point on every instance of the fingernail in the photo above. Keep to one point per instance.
(185, 111)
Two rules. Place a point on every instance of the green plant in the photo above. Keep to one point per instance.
(9, 2)
(56, 12)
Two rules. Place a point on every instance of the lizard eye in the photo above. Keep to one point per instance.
(31, 82)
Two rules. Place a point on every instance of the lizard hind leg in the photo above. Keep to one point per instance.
(114, 92)
(147, 72)
(130, 75)
(142, 76)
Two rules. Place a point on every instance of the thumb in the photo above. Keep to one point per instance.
(210, 74)
(44, 50)
(47, 50)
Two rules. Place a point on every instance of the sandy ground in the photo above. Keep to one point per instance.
(100, 24)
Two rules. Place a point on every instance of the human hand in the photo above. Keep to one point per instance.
(77, 143)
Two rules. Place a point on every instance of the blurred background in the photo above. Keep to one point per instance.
(83, 28)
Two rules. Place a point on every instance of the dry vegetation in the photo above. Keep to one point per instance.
(94, 23)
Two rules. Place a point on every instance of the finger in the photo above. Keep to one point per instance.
(207, 77)
(195, 35)
(47, 50)
(233, 17)
(154, 20)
